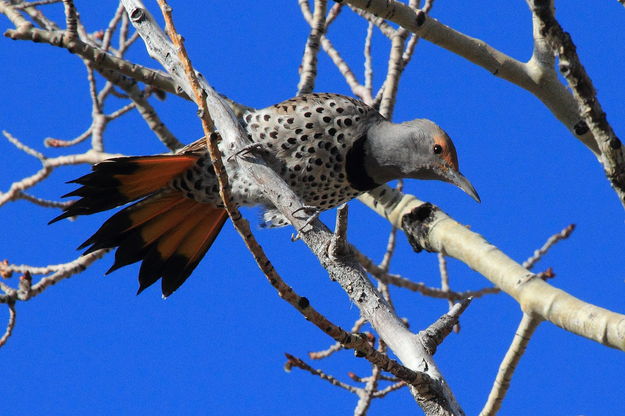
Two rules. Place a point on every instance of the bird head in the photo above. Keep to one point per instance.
(417, 149)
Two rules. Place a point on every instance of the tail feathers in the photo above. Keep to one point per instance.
(176, 254)
(117, 181)
(168, 232)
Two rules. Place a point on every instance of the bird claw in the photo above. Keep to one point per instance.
(246, 150)
(313, 216)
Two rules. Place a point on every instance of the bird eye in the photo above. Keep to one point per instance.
(438, 149)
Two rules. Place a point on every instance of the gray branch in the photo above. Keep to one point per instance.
(434, 397)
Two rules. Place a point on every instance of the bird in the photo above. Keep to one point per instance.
(328, 148)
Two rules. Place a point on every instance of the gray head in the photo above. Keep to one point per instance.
(417, 149)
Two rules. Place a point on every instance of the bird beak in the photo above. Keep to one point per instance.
(455, 177)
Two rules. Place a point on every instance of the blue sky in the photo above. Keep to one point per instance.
(90, 345)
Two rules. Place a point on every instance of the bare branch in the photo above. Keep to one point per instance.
(368, 60)
(427, 227)
(524, 332)
(434, 335)
(308, 71)
(71, 19)
(442, 267)
(345, 271)
(419, 287)
(544, 85)
(36, 3)
(49, 165)
(551, 241)
(595, 119)
(10, 324)
(299, 363)
(336, 346)
(357, 89)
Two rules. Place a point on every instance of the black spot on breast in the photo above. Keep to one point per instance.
(319, 109)
(248, 118)
(339, 110)
(309, 125)
(318, 162)
(267, 117)
(290, 120)
(273, 134)
(303, 137)
(348, 122)
(327, 119)
(292, 140)
(298, 131)
(318, 135)
(332, 131)
(307, 114)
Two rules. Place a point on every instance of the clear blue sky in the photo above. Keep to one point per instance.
(89, 345)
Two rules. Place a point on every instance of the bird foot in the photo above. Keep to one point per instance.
(313, 215)
(250, 148)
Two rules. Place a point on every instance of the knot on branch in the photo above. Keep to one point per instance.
(137, 14)
(416, 224)
(581, 128)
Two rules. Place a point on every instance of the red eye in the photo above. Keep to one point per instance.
(438, 149)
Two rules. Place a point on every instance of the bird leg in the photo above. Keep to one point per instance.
(250, 148)
(314, 214)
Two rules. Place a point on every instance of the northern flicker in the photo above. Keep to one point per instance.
(327, 147)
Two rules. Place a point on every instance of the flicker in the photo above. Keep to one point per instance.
(328, 148)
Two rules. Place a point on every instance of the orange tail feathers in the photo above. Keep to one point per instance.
(169, 232)
(117, 181)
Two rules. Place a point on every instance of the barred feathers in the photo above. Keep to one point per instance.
(167, 231)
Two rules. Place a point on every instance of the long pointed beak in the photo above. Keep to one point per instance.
(461, 182)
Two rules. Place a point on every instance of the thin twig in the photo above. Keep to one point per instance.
(442, 267)
(299, 363)
(10, 324)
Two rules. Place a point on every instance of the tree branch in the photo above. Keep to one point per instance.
(433, 392)
(428, 228)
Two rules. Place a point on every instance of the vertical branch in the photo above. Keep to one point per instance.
(394, 71)
(523, 334)
(442, 267)
(71, 19)
(309, 61)
(368, 61)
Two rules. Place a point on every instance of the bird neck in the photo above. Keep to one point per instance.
(356, 161)
(382, 154)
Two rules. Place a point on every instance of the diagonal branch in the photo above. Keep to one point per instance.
(432, 391)
(524, 332)
(428, 228)
(592, 113)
